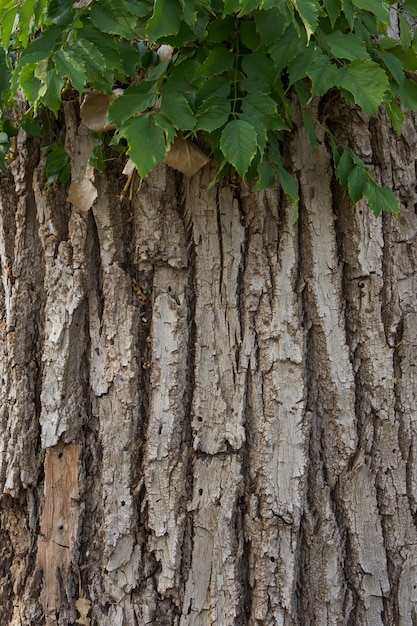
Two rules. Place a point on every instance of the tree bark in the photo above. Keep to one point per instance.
(208, 410)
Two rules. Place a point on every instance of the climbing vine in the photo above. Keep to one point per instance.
(233, 74)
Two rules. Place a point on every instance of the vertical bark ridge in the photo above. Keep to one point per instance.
(324, 594)
(272, 350)
(376, 305)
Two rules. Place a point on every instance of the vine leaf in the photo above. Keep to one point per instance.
(381, 199)
(367, 82)
(146, 142)
(309, 11)
(239, 144)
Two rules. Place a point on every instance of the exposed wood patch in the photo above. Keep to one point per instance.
(59, 523)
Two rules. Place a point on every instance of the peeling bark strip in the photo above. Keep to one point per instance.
(59, 526)
(207, 412)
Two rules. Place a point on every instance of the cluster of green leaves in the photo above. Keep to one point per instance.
(232, 77)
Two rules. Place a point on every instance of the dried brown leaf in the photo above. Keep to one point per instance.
(186, 157)
(83, 193)
(129, 168)
(83, 606)
(93, 111)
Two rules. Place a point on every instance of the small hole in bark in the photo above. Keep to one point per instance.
(272, 559)
(123, 503)
(200, 492)
(361, 285)
(61, 527)
(199, 418)
(160, 430)
(60, 455)
(169, 289)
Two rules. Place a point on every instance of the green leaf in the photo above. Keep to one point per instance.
(247, 6)
(114, 18)
(409, 94)
(249, 36)
(405, 32)
(69, 66)
(333, 9)
(7, 25)
(284, 50)
(346, 46)
(258, 67)
(344, 168)
(410, 6)
(42, 47)
(29, 83)
(189, 11)
(323, 75)
(99, 76)
(396, 115)
(300, 66)
(105, 45)
(238, 143)
(272, 24)
(381, 199)
(218, 61)
(98, 159)
(169, 130)
(350, 12)
(408, 58)
(26, 11)
(260, 110)
(135, 99)
(356, 182)
(220, 29)
(289, 184)
(267, 176)
(57, 166)
(230, 7)
(217, 87)
(31, 127)
(309, 11)
(146, 142)
(309, 127)
(50, 92)
(213, 113)
(376, 7)
(367, 83)
(166, 19)
(175, 107)
(393, 64)
(5, 73)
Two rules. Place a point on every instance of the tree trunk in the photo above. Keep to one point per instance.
(209, 411)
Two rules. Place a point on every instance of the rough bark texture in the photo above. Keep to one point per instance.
(208, 413)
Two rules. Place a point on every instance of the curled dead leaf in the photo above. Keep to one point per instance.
(129, 171)
(83, 606)
(83, 193)
(186, 157)
(165, 52)
(129, 168)
(93, 111)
